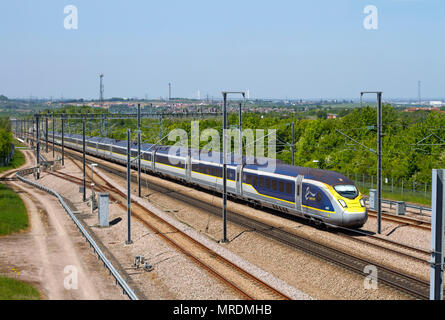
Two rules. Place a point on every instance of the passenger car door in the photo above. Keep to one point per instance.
(298, 192)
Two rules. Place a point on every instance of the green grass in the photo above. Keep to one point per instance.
(407, 197)
(17, 143)
(17, 161)
(11, 289)
(13, 214)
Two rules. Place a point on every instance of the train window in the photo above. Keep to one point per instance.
(268, 183)
(255, 180)
(249, 179)
(347, 191)
(261, 182)
(288, 188)
(281, 186)
(274, 185)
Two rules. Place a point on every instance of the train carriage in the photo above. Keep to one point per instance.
(320, 195)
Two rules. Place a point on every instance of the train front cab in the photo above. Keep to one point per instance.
(351, 202)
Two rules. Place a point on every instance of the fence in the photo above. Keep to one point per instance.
(405, 188)
(119, 280)
(5, 161)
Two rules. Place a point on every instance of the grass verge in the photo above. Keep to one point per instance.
(11, 289)
(13, 214)
(17, 161)
(396, 196)
(17, 143)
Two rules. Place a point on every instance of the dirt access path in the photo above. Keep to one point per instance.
(52, 255)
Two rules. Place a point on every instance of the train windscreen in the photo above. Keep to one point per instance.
(347, 190)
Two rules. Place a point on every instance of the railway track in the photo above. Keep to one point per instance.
(245, 284)
(415, 287)
(403, 220)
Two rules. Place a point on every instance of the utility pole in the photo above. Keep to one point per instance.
(83, 159)
(379, 157)
(240, 125)
(437, 234)
(46, 131)
(54, 120)
(224, 192)
(169, 91)
(224, 213)
(139, 150)
(101, 90)
(293, 143)
(38, 145)
(128, 190)
(379, 161)
(63, 138)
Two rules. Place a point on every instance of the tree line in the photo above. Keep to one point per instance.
(413, 142)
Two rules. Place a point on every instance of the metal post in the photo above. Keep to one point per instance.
(293, 143)
(34, 131)
(38, 145)
(224, 211)
(379, 162)
(379, 156)
(240, 128)
(46, 132)
(437, 234)
(54, 127)
(160, 130)
(63, 138)
(128, 190)
(139, 150)
(83, 158)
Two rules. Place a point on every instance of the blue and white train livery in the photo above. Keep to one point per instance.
(320, 195)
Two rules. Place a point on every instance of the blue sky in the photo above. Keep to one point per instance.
(280, 49)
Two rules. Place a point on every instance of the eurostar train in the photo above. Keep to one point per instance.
(323, 196)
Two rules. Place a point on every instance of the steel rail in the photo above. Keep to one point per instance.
(412, 222)
(119, 280)
(269, 290)
(413, 286)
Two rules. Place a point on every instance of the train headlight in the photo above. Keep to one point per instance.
(343, 203)
(362, 202)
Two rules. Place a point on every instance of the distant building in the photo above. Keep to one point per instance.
(436, 103)
(414, 109)
(332, 116)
